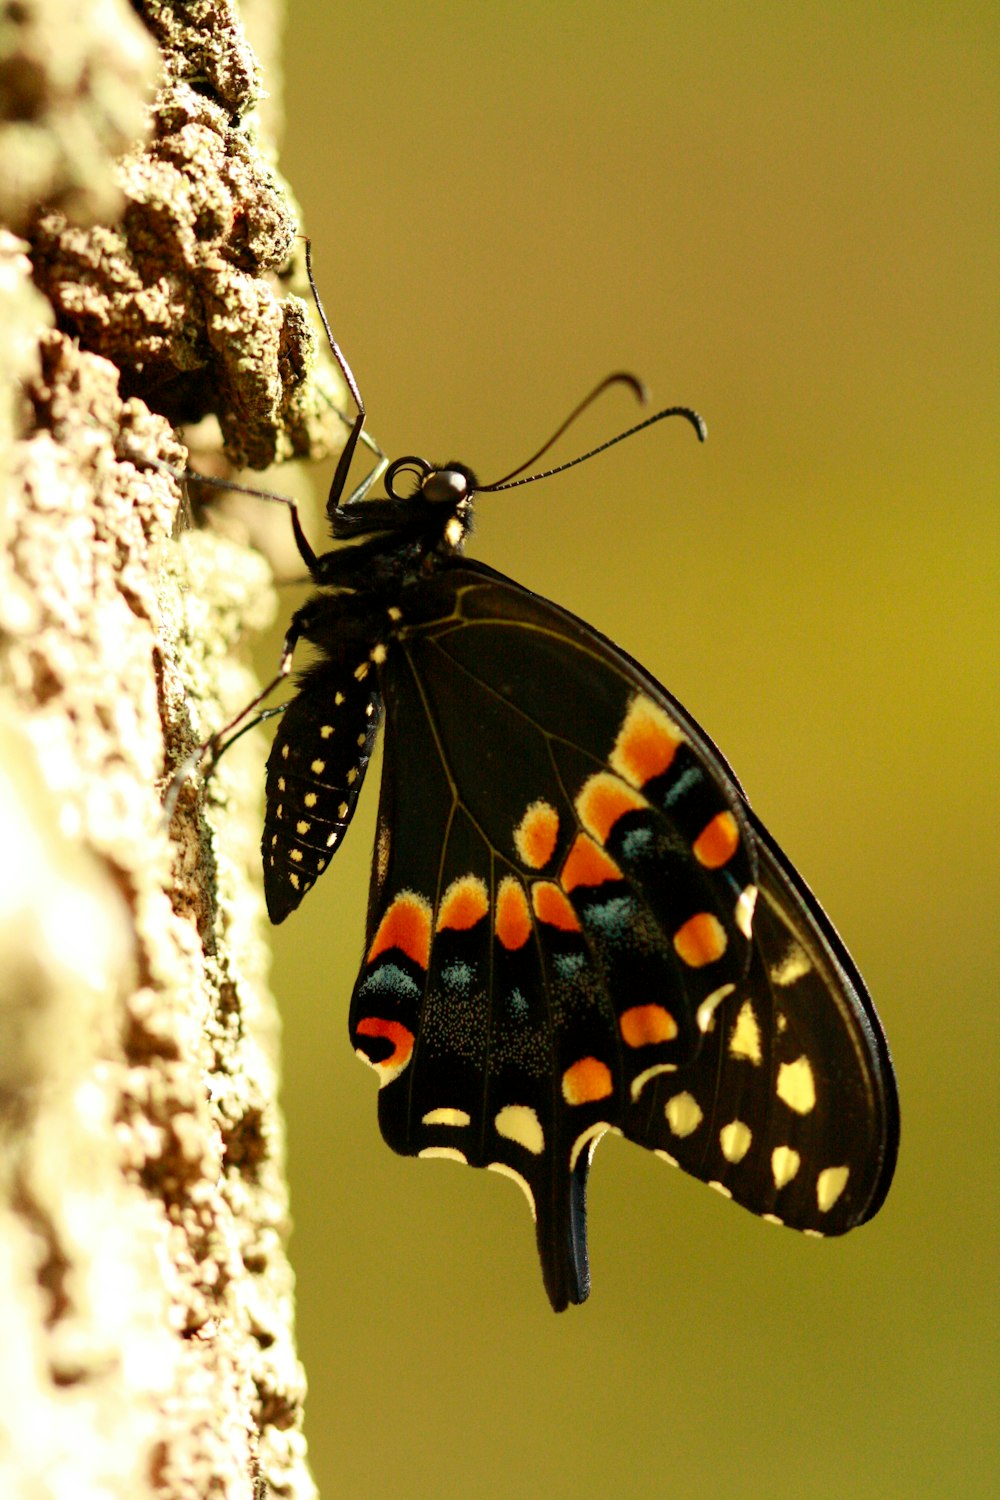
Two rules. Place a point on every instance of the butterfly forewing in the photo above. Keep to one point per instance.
(782, 1110)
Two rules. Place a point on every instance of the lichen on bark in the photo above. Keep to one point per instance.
(145, 1294)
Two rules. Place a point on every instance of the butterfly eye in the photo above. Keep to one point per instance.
(445, 487)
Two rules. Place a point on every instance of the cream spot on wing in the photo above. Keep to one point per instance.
(446, 1116)
(588, 1138)
(720, 1187)
(743, 915)
(502, 1168)
(683, 1114)
(734, 1139)
(641, 1079)
(830, 1183)
(745, 1039)
(708, 1007)
(784, 1164)
(443, 1153)
(796, 1086)
(520, 1123)
(793, 965)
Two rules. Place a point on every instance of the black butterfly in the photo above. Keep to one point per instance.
(576, 922)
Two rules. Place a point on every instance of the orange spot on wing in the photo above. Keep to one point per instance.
(464, 904)
(513, 919)
(407, 926)
(587, 1080)
(701, 940)
(717, 842)
(552, 907)
(395, 1032)
(646, 744)
(643, 1025)
(587, 864)
(601, 802)
(535, 836)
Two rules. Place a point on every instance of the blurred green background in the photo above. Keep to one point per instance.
(781, 215)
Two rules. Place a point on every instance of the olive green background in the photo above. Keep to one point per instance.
(779, 214)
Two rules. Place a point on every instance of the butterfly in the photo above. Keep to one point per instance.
(576, 923)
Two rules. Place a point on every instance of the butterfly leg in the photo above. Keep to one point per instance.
(211, 750)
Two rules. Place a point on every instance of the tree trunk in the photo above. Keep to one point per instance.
(147, 1344)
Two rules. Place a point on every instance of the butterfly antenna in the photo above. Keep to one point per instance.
(620, 377)
(510, 483)
(357, 432)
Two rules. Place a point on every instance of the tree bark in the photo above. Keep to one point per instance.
(147, 1344)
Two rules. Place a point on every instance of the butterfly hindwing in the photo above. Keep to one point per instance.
(564, 879)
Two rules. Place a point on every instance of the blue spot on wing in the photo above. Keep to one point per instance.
(692, 777)
(390, 979)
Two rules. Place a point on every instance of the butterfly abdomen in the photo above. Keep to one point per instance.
(314, 774)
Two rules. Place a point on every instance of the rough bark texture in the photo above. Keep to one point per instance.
(145, 1297)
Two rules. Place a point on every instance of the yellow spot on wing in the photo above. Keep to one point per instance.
(796, 1086)
(745, 1040)
(708, 1007)
(588, 1139)
(641, 1079)
(502, 1168)
(734, 1139)
(445, 1116)
(792, 966)
(520, 1123)
(830, 1183)
(683, 1114)
(743, 915)
(784, 1164)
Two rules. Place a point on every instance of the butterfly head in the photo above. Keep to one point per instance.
(444, 493)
